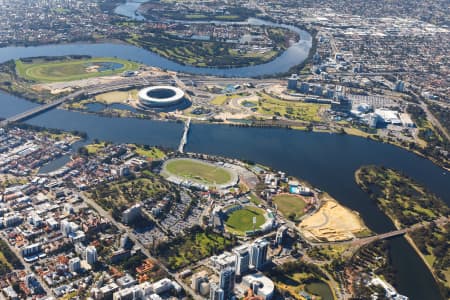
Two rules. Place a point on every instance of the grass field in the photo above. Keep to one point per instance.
(290, 206)
(117, 96)
(192, 247)
(242, 220)
(223, 99)
(199, 171)
(294, 110)
(151, 153)
(95, 147)
(72, 69)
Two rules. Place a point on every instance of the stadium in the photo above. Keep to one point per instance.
(160, 96)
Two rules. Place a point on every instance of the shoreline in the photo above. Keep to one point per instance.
(137, 45)
(422, 257)
(239, 124)
(397, 225)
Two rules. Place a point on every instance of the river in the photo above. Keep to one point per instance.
(291, 57)
(328, 161)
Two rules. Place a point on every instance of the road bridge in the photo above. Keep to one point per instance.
(89, 91)
(378, 237)
(387, 235)
(183, 141)
(39, 109)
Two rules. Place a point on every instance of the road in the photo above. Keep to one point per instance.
(434, 121)
(39, 109)
(88, 91)
(137, 242)
(387, 235)
(28, 269)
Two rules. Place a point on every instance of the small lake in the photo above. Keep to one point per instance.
(321, 289)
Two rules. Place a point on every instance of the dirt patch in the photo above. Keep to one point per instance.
(331, 223)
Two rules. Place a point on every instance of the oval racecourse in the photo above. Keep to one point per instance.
(40, 70)
(197, 171)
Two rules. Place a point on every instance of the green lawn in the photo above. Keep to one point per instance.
(290, 204)
(242, 220)
(185, 250)
(71, 69)
(223, 99)
(152, 153)
(95, 147)
(199, 171)
(295, 110)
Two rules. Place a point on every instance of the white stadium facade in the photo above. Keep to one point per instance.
(160, 96)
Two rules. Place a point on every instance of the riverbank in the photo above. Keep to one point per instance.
(408, 203)
(299, 153)
(122, 111)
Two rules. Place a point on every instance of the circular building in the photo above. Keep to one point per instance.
(160, 96)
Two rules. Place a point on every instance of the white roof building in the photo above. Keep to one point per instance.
(261, 285)
(388, 116)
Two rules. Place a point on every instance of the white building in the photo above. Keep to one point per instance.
(162, 286)
(130, 214)
(197, 280)
(388, 116)
(260, 285)
(258, 253)
(216, 293)
(132, 293)
(31, 249)
(91, 255)
(226, 282)
(74, 264)
(391, 293)
(242, 259)
(292, 82)
(12, 219)
(223, 261)
(280, 234)
(406, 120)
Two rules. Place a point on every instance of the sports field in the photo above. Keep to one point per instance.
(290, 206)
(72, 69)
(242, 220)
(198, 171)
